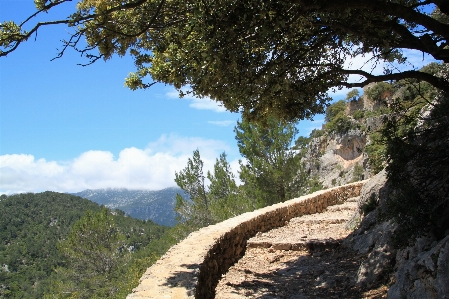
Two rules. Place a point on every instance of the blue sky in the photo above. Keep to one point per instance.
(67, 128)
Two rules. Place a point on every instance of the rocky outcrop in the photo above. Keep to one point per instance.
(418, 271)
(333, 158)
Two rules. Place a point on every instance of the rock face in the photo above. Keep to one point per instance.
(372, 237)
(419, 271)
(333, 158)
(337, 159)
(422, 270)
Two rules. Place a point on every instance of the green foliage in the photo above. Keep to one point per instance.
(382, 110)
(370, 205)
(358, 173)
(314, 185)
(31, 225)
(277, 59)
(271, 173)
(380, 91)
(207, 205)
(333, 110)
(417, 152)
(224, 195)
(358, 114)
(95, 255)
(352, 95)
(413, 92)
(376, 151)
(336, 119)
(418, 171)
(316, 133)
(194, 212)
(272, 170)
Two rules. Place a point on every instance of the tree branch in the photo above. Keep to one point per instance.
(421, 76)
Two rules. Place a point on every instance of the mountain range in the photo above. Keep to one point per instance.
(157, 206)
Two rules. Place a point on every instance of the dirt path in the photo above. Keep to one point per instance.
(303, 259)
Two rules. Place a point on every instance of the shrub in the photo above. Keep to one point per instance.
(334, 109)
(316, 133)
(358, 114)
(352, 95)
(380, 91)
(314, 185)
(376, 152)
(418, 171)
(357, 175)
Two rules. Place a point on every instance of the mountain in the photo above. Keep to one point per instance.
(157, 206)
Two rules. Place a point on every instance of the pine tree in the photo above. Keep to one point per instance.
(271, 172)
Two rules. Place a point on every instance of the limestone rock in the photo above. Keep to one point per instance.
(422, 270)
(379, 263)
(374, 189)
(332, 158)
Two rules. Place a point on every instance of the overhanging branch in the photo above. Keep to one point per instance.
(420, 76)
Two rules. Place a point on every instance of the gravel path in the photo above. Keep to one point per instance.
(303, 259)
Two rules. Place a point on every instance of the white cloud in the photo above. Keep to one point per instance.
(200, 103)
(222, 123)
(151, 168)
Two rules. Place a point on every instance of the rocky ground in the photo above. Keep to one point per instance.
(303, 259)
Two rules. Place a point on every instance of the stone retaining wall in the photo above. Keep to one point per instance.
(192, 268)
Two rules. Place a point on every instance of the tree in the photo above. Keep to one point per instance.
(262, 58)
(224, 194)
(194, 212)
(95, 258)
(271, 172)
(352, 95)
(207, 205)
(416, 147)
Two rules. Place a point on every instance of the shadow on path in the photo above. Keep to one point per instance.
(319, 274)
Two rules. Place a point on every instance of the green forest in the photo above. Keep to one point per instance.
(45, 237)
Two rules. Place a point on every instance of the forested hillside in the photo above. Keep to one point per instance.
(37, 254)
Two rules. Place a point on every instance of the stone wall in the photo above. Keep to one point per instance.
(192, 268)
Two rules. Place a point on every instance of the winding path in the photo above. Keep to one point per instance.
(303, 259)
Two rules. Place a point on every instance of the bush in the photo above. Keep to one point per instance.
(336, 119)
(380, 91)
(316, 133)
(376, 152)
(352, 95)
(370, 205)
(334, 109)
(358, 114)
(357, 175)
